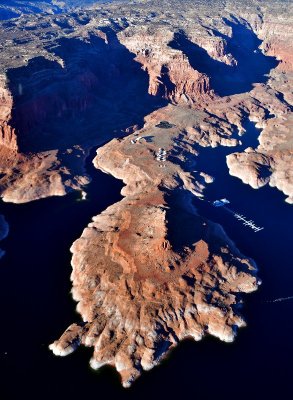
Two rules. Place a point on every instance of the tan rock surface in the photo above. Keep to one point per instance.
(272, 160)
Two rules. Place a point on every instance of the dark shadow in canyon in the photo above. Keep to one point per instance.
(184, 227)
(98, 93)
(7, 14)
(252, 65)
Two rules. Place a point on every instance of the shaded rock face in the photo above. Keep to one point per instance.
(57, 107)
(60, 112)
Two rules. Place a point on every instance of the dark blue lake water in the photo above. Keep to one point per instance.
(37, 306)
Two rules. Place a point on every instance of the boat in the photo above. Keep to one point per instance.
(220, 203)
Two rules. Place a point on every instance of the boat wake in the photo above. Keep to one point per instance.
(280, 299)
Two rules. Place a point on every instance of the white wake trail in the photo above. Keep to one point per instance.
(280, 299)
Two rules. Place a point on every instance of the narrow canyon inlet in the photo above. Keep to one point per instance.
(146, 183)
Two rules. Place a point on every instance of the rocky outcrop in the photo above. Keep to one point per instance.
(7, 133)
(271, 162)
(170, 73)
(27, 178)
(251, 167)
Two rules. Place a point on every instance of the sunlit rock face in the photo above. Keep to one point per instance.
(8, 138)
(170, 73)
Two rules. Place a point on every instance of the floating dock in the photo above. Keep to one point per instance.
(246, 222)
(250, 223)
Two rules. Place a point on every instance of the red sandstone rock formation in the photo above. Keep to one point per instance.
(170, 73)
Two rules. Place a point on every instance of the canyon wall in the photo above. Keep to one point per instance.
(8, 138)
(170, 74)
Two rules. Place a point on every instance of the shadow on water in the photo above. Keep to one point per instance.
(184, 227)
(252, 65)
(100, 91)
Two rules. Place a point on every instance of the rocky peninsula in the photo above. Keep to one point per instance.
(149, 271)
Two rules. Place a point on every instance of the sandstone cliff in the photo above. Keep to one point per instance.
(7, 133)
(170, 73)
